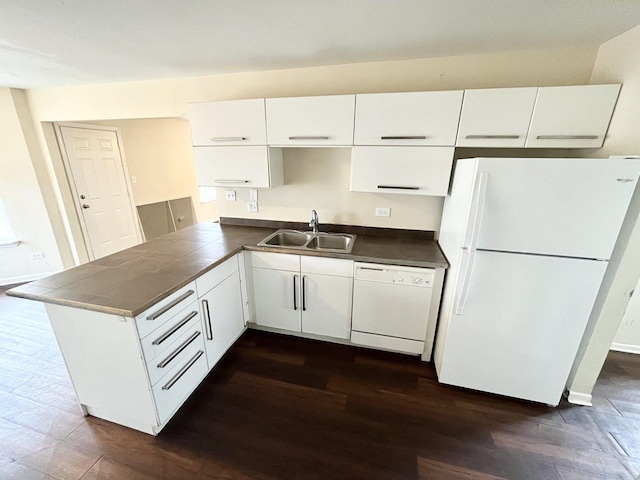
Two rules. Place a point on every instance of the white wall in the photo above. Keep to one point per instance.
(617, 62)
(23, 201)
(306, 170)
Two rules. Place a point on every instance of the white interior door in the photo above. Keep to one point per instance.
(519, 325)
(101, 190)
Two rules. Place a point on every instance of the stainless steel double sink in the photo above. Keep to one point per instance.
(326, 242)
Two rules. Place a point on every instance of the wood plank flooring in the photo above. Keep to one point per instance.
(278, 407)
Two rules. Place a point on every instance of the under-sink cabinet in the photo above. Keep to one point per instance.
(303, 293)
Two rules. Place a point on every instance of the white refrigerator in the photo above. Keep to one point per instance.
(528, 241)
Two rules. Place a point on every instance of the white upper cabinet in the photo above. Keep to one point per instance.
(414, 118)
(408, 170)
(310, 121)
(496, 117)
(572, 117)
(235, 122)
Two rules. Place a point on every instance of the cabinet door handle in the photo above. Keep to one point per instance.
(178, 350)
(228, 139)
(166, 335)
(224, 180)
(207, 316)
(404, 137)
(182, 371)
(567, 137)
(304, 303)
(399, 187)
(309, 137)
(495, 137)
(169, 306)
(295, 304)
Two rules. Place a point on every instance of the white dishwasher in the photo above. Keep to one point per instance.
(391, 306)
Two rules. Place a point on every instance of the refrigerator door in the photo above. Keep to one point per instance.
(515, 328)
(564, 207)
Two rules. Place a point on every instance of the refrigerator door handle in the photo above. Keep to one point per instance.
(466, 278)
(473, 233)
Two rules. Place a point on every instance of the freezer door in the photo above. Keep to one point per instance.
(565, 207)
(519, 323)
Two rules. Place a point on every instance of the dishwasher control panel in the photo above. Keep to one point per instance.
(419, 277)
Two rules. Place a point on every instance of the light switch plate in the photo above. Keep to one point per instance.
(252, 207)
(383, 212)
(253, 195)
(230, 195)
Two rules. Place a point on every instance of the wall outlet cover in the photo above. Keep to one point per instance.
(230, 195)
(134, 179)
(36, 255)
(253, 195)
(383, 212)
(252, 207)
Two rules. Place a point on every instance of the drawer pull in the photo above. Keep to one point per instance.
(310, 137)
(207, 315)
(182, 371)
(399, 187)
(228, 139)
(495, 137)
(178, 350)
(162, 338)
(567, 137)
(224, 180)
(404, 137)
(168, 307)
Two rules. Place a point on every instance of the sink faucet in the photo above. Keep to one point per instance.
(314, 221)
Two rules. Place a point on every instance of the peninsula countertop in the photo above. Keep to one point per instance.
(129, 282)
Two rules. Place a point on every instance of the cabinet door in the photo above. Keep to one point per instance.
(572, 117)
(326, 305)
(254, 167)
(222, 317)
(277, 298)
(317, 121)
(496, 117)
(415, 118)
(408, 170)
(236, 122)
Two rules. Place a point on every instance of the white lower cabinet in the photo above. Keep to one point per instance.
(303, 294)
(221, 307)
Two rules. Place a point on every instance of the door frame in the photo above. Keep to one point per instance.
(70, 180)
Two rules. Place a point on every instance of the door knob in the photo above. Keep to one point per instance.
(82, 197)
(84, 205)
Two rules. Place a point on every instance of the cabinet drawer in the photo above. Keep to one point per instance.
(163, 338)
(207, 281)
(305, 121)
(176, 353)
(164, 310)
(326, 266)
(275, 261)
(235, 122)
(413, 118)
(407, 170)
(256, 167)
(178, 383)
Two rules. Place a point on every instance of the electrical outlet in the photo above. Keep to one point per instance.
(134, 179)
(36, 255)
(252, 207)
(230, 195)
(253, 195)
(383, 212)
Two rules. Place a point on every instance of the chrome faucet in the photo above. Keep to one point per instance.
(314, 221)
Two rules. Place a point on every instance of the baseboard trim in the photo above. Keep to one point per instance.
(578, 398)
(24, 278)
(626, 348)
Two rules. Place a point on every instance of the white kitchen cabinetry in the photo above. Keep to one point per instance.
(572, 117)
(251, 167)
(414, 118)
(221, 308)
(408, 170)
(133, 371)
(496, 117)
(303, 294)
(310, 121)
(234, 122)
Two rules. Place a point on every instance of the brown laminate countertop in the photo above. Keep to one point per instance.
(131, 281)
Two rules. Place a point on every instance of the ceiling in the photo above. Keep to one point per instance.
(72, 42)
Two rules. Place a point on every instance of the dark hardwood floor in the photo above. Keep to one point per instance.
(285, 408)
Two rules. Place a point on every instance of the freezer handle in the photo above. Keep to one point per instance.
(467, 266)
(474, 231)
